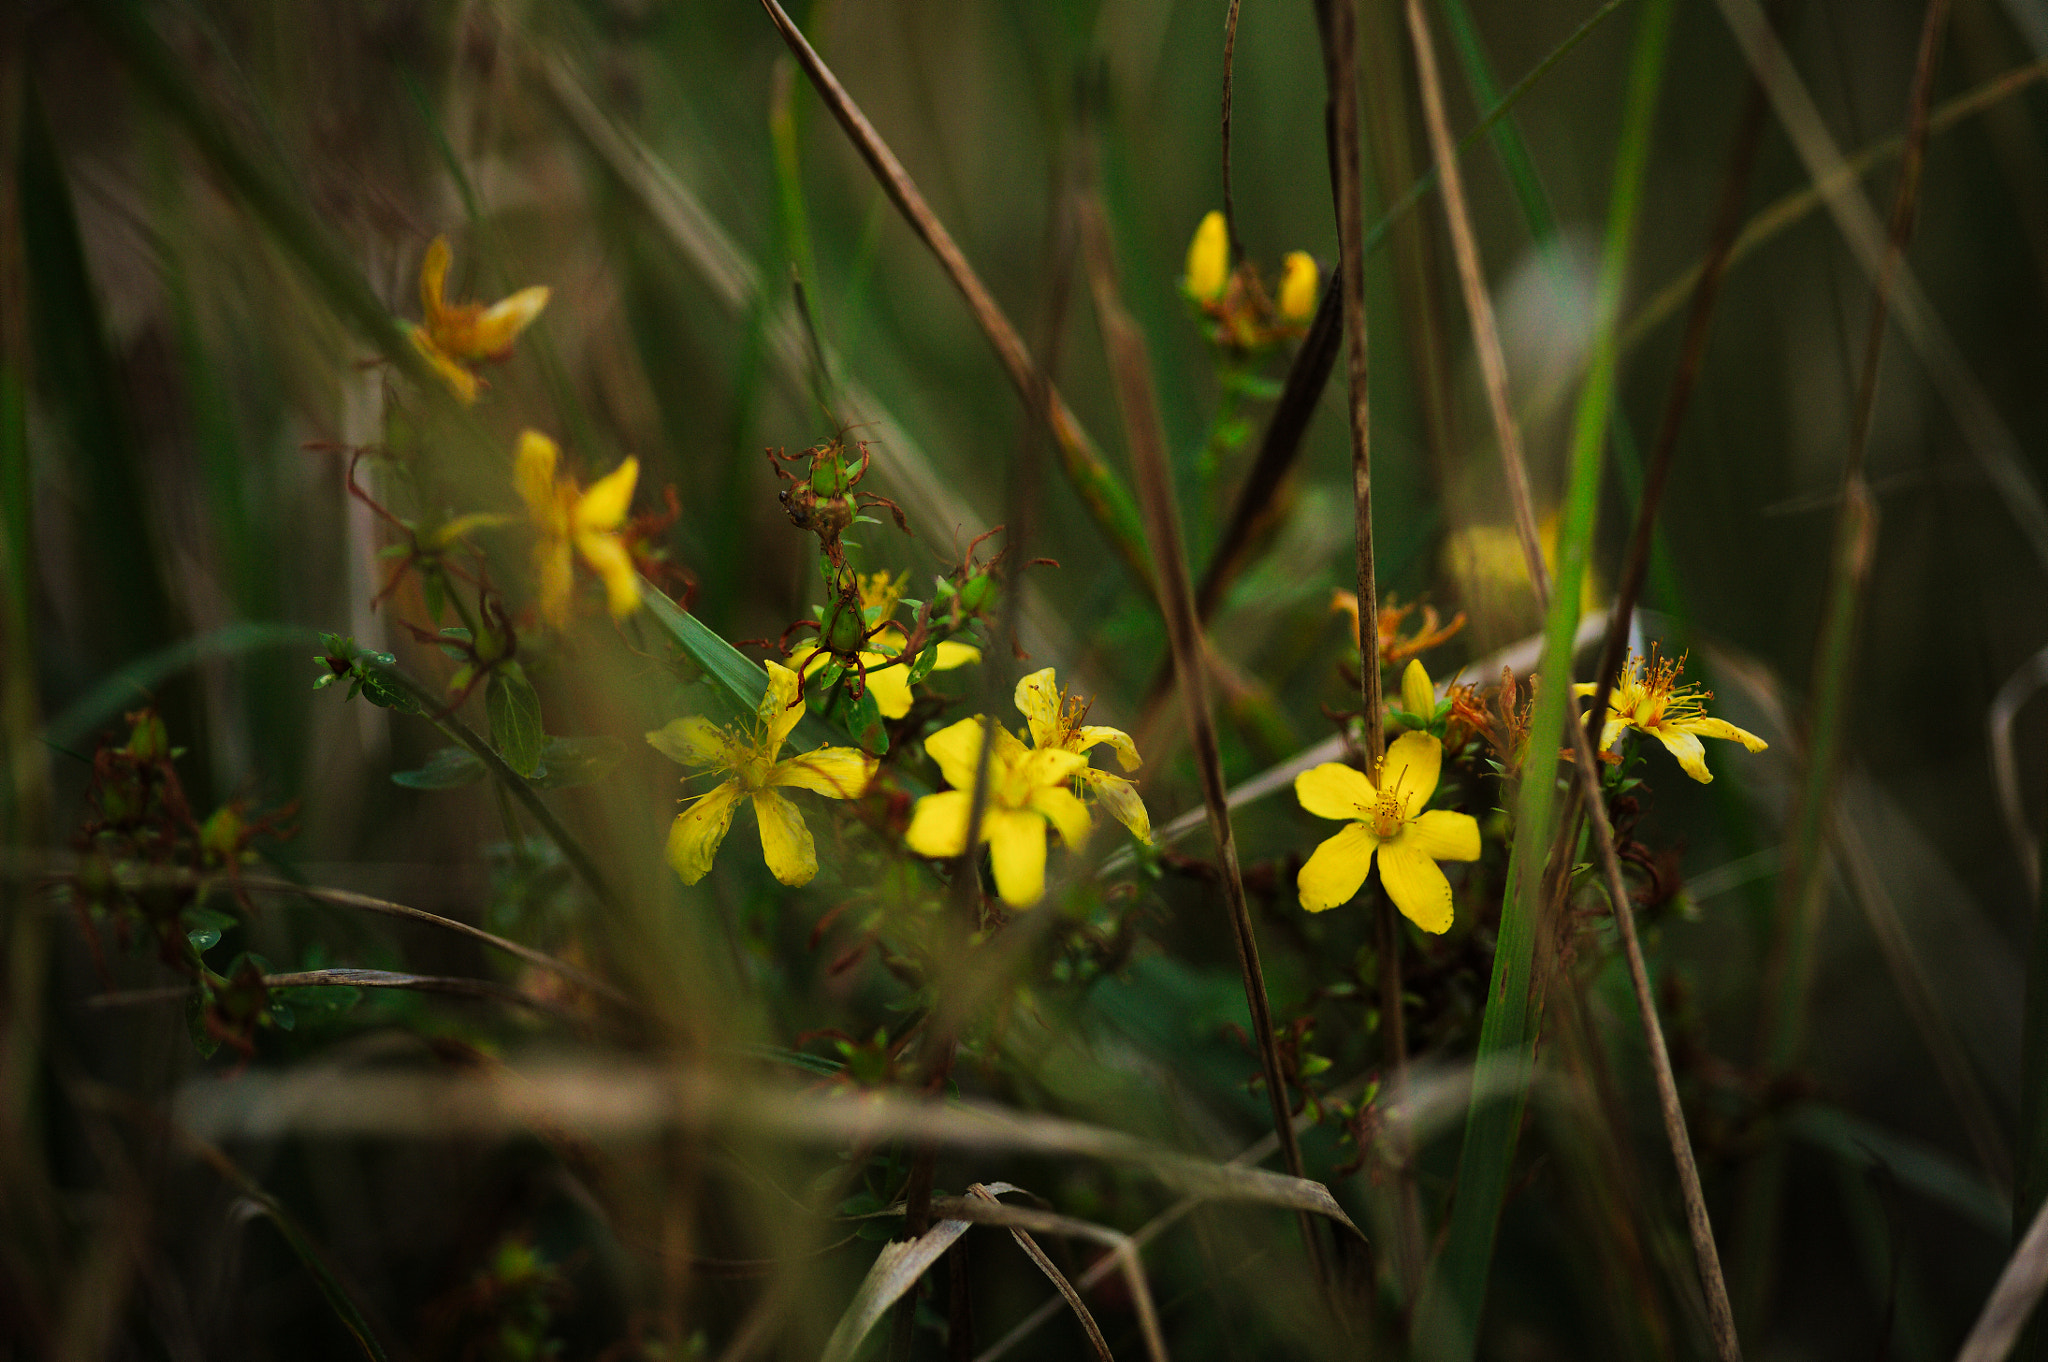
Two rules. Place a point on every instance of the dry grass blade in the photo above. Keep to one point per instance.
(1338, 21)
(1058, 1278)
(2012, 1300)
(981, 1206)
(1130, 371)
(896, 1270)
(1098, 487)
(1229, 71)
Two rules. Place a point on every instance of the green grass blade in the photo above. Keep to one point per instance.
(1506, 138)
(742, 680)
(1508, 1033)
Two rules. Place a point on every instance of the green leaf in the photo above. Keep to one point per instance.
(514, 712)
(379, 691)
(740, 679)
(569, 762)
(204, 926)
(447, 769)
(926, 660)
(863, 719)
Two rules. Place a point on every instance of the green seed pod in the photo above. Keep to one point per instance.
(978, 592)
(844, 630)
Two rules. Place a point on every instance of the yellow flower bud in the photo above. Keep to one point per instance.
(1298, 286)
(1208, 259)
(1418, 696)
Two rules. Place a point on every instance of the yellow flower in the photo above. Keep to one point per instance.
(566, 516)
(454, 336)
(1387, 818)
(1298, 280)
(1648, 697)
(1056, 725)
(889, 684)
(835, 772)
(1027, 789)
(1208, 259)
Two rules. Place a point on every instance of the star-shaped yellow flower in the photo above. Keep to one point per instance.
(1388, 818)
(835, 772)
(1648, 697)
(890, 684)
(454, 336)
(1027, 789)
(567, 517)
(1056, 724)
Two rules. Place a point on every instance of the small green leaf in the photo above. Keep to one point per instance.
(567, 762)
(204, 926)
(447, 769)
(926, 660)
(379, 691)
(863, 719)
(514, 712)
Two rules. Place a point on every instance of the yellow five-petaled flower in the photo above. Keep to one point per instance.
(1027, 790)
(1648, 697)
(568, 518)
(455, 336)
(1389, 818)
(786, 845)
(1056, 722)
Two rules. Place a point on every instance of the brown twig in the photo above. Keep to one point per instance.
(1229, 68)
(1099, 488)
(1339, 24)
(1131, 372)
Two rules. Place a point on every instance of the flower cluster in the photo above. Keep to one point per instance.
(1241, 315)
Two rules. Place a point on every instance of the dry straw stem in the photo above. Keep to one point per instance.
(1493, 367)
(1072, 1297)
(1337, 21)
(1229, 71)
(2012, 1300)
(1131, 373)
(1099, 489)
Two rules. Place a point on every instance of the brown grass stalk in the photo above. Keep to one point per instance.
(1721, 1316)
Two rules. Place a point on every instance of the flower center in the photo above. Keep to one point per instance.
(1384, 818)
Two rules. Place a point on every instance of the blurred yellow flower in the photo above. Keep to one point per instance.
(566, 516)
(1298, 281)
(1648, 697)
(1388, 818)
(1027, 790)
(888, 679)
(1056, 722)
(454, 336)
(1208, 259)
(786, 845)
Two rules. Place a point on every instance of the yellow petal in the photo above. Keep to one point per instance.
(779, 709)
(1298, 286)
(533, 475)
(1092, 735)
(1120, 797)
(551, 564)
(1038, 700)
(502, 321)
(785, 842)
(835, 772)
(1691, 755)
(953, 655)
(1048, 766)
(1418, 697)
(1410, 770)
(1612, 729)
(1415, 885)
(1016, 845)
(938, 825)
(1721, 728)
(604, 506)
(694, 837)
(957, 750)
(890, 685)
(1209, 259)
(606, 554)
(1443, 835)
(463, 525)
(1065, 812)
(1334, 790)
(461, 380)
(694, 741)
(1332, 875)
(433, 280)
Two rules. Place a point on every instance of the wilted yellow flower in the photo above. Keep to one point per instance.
(1298, 280)
(454, 336)
(1389, 818)
(887, 679)
(1027, 789)
(1056, 724)
(1208, 259)
(835, 772)
(1395, 649)
(565, 516)
(1648, 697)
